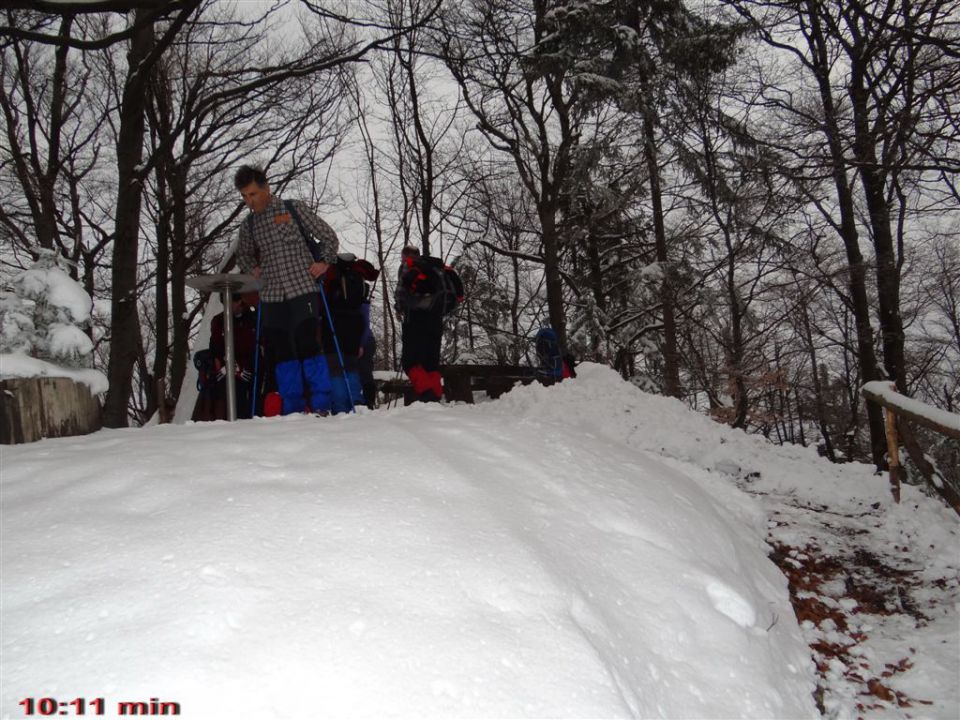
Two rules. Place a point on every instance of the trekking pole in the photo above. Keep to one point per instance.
(394, 399)
(336, 344)
(255, 388)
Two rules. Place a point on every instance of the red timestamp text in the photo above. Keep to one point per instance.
(78, 707)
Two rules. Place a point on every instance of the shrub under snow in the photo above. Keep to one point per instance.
(46, 314)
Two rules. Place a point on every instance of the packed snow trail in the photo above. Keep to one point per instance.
(878, 583)
(522, 558)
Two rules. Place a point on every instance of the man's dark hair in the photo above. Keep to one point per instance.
(248, 174)
(410, 251)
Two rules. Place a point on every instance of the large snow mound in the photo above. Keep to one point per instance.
(523, 558)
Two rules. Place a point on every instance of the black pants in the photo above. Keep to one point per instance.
(349, 326)
(365, 364)
(422, 334)
(244, 399)
(290, 329)
(365, 369)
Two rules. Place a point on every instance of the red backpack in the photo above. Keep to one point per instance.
(430, 284)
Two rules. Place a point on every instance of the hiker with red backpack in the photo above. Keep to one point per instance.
(427, 290)
(273, 248)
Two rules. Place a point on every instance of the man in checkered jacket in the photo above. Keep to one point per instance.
(273, 249)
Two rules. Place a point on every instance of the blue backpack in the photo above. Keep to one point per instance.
(549, 355)
(553, 365)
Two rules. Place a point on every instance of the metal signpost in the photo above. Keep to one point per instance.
(227, 284)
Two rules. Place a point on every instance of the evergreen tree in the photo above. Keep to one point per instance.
(46, 315)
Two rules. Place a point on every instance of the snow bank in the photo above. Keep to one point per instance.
(522, 558)
(665, 427)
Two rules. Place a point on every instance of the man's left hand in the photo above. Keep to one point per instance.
(317, 269)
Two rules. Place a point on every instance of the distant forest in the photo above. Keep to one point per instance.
(751, 206)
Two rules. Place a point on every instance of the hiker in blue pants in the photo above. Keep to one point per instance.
(272, 249)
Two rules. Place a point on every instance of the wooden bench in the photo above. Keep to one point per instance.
(461, 381)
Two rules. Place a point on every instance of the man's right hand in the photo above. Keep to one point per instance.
(256, 272)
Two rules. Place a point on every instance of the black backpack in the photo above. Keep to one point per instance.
(429, 284)
(345, 282)
(206, 370)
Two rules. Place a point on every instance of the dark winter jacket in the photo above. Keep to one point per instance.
(244, 339)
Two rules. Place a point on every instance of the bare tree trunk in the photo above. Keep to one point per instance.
(848, 233)
(124, 338)
(388, 342)
(423, 150)
(595, 279)
(800, 417)
(887, 270)
(38, 163)
(179, 266)
(551, 268)
(46, 222)
(817, 385)
(671, 354)
(515, 307)
(162, 303)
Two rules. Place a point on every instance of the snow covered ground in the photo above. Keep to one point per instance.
(584, 550)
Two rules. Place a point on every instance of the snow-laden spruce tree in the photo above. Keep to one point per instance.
(45, 315)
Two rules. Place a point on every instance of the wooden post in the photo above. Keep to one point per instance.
(901, 411)
(893, 454)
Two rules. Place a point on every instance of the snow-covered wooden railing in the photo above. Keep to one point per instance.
(900, 406)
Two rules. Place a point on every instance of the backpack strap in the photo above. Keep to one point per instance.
(311, 246)
(290, 208)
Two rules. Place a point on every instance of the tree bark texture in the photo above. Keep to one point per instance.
(671, 353)
(847, 229)
(124, 337)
